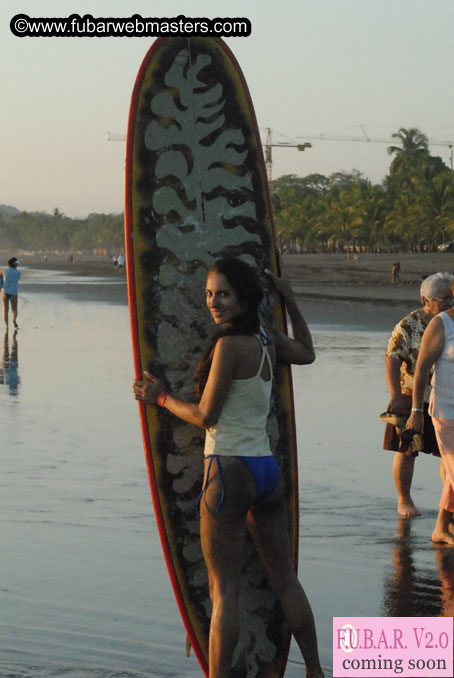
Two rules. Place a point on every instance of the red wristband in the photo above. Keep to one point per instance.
(162, 397)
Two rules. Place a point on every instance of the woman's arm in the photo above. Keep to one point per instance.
(397, 351)
(432, 344)
(205, 413)
(298, 350)
(397, 403)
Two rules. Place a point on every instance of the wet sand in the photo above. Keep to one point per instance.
(336, 290)
(332, 288)
(88, 278)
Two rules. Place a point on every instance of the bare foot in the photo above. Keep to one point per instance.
(407, 509)
(442, 537)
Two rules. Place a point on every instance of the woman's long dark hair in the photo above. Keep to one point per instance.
(246, 284)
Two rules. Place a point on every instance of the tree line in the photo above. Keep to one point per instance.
(43, 232)
(412, 210)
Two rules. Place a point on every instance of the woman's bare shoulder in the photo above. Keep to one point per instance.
(231, 343)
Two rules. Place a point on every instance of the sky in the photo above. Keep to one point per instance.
(313, 67)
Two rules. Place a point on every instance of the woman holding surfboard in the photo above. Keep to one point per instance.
(243, 489)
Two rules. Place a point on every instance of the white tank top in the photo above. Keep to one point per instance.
(442, 394)
(241, 428)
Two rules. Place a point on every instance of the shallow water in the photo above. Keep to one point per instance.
(83, 587)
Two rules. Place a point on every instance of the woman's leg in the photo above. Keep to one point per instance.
(222, 536)
(403, 467)
(5, 301)
(14, 298)
(267, 523)
(442, 531)
(444, 429)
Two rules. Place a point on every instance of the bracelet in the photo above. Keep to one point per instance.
(416, 409)
(161, 399)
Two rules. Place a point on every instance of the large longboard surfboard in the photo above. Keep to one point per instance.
(196, 189)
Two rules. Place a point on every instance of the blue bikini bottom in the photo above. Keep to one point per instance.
(265, 472)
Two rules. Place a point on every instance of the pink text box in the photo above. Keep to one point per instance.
(393, 646)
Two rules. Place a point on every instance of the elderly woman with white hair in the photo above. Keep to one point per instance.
(400, 364)
(437, 350)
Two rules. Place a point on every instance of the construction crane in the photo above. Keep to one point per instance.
(267, 147)
(377, 140)
(116, 137)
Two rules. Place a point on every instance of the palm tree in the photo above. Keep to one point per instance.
(413, 140)
(342, 217)
(434, 208)
(408, 156)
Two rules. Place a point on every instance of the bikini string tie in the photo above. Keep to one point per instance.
(211, 457)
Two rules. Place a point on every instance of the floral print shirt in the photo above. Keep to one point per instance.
(404, 344)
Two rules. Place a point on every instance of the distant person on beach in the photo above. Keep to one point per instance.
(400, 362)
(437, 354)
(10, 290)
(243, 488)
(395, 273)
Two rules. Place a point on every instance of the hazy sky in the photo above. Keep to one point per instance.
(312, 66)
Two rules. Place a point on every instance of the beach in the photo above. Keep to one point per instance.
(335, 289)
(83, 585)
(332, 288)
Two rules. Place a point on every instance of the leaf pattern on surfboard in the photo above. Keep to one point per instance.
(202, 160)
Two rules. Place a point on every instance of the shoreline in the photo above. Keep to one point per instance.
(357, 294)
(331, 288)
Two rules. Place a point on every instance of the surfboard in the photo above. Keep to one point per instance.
(196, 189)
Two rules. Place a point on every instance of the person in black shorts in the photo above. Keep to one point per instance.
(400, 362)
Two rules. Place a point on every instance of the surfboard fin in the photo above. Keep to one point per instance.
(188, 647)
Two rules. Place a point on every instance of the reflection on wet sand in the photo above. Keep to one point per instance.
(9, 366)
(444, 558)
(412, 591)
